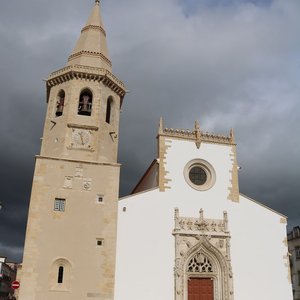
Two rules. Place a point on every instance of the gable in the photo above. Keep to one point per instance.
(149, 180)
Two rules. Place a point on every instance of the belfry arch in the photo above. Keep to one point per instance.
(202, 254)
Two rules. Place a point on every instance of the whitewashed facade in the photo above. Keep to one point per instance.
(161, 226)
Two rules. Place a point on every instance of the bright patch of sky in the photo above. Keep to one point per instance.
(191, 7)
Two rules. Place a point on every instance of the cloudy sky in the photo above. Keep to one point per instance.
(227, 63)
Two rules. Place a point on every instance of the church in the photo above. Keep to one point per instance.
(185, 233)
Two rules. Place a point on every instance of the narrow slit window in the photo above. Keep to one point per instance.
(60, 276)
(108, 110)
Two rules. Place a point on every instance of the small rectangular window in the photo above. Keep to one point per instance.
(298, 277)
(297, 251)
(100, 198)
(59, 204)
(100, 242)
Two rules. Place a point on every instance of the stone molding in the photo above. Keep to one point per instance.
(65, 286)
(90, 53)
(197, 135)
(205, 241)
(87, 73)
(89, 127)
(94, 27)
(79, 161)
(234, 192)
(286, 260)
(162, 176)
(283, 217)
(187, 225)
(283, 221)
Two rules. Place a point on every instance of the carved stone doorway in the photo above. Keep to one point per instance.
(202, 252)
(200, 289)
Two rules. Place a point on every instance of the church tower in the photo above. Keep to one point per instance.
(70, 244)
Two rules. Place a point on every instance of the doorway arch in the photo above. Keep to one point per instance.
(202, 248)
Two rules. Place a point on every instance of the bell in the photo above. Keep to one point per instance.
(85, 106)
(60, 107)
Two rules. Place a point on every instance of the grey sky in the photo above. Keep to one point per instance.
(231, 64)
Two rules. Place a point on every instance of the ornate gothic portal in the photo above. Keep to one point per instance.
(202, 248)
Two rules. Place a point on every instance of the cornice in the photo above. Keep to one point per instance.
(89, 127)
(78, 161)
(265, 206)
(90, 53)
(199, 226)
(80, 72)
(196, 135)
(192, 136)
(93, 27)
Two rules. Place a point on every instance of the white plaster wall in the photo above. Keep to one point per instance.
(145, 245)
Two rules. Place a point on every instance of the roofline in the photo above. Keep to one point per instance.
(265, 206)
(139, 193)
(196, 135)
(145, 174)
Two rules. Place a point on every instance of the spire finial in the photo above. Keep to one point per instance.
(91, 48)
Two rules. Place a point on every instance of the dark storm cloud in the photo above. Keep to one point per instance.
(233, 65)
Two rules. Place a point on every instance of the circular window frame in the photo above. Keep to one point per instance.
(209, 170)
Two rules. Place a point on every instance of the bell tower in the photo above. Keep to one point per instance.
(70, 243)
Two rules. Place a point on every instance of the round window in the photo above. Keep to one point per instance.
(199, 174)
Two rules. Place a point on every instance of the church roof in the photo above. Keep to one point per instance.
(149, 180)
(91, 47)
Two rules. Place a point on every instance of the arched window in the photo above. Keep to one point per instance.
(60, 276)
(60, 103)
(200, 264)
(85, 103)
(108, 109)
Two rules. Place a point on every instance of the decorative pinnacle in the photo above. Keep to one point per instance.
(198, 134)
(201, 212)
(161, 126)
(232, 137)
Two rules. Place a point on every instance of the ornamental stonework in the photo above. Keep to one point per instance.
(163, 146)
(234, 192)
(202, 248)
(197, 136)
(86, 73)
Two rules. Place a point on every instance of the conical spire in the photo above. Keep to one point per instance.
(91, 48)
